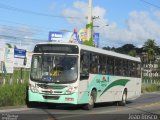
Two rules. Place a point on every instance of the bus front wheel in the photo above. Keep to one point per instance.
(92, 99)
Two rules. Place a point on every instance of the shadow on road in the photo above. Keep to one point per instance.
(73, 107)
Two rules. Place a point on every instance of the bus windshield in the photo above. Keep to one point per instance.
(52, 68)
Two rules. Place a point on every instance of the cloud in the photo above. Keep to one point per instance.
(157, 14)
(78, 10)
(139, 26)
(53, 5)
(19, 36)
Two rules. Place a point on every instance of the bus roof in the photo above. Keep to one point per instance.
(99, 50)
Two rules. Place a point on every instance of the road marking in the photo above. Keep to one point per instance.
(15, 110)
(117, 109)
(111, 111)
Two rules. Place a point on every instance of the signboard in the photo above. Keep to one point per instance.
(1, 67)
(2, 51)
(73, 37)
(19, 62)
(56, 48)
(61, 37)
(29, 57)
(96, 39)
(56, 36)
(82, 35)
(9, 60)
(19, 53)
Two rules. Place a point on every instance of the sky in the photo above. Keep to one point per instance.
(27, 22)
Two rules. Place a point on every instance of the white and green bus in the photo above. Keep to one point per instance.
(67, 73)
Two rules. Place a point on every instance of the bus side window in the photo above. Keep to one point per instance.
(102, 64)
(94, 60)
(138, 70)
(110, 65)
(84, 65)
(126, 70)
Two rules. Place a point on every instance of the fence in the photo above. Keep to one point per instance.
(20, 75)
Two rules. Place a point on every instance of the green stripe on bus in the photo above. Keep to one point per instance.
(121, 82)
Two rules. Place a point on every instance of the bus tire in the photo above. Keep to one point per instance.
(124, 98)
(92, 99)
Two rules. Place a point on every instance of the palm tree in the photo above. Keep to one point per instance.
(150, 48)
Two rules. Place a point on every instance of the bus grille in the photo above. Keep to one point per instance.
(44, 86)
(51, 97)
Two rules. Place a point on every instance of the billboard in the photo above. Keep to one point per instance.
(61, 37)
(2, 51)
(19, 53)
(9, 60)
(82, 35)
(73, 37)
(19, 62)
(96, 39)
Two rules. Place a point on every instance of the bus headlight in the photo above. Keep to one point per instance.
(71, 90)
(33, 88)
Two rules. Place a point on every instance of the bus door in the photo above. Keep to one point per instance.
(84, 76)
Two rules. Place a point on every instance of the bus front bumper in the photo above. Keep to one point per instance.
(46, 98)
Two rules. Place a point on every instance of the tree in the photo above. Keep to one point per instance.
(128, 47)
(132, 53)
(89, 42)
(125, 49)
(107, 48)
(150, 48)
(9, 45)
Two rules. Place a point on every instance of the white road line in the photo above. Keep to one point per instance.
(15, 110)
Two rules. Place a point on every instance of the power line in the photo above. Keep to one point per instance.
(33, 31)
(36, 28)
(15, 37)
(3, 6)
(150, 4)
(31, 26)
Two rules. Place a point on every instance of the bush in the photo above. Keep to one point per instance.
(150, 88)
(12, 95)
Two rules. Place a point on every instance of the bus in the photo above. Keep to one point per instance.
(69, 73)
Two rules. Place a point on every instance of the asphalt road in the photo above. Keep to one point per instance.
(147, 107)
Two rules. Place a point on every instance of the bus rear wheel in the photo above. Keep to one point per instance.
(124, 99)
(92, 99)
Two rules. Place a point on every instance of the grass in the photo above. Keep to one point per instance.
(12, 95)
(150, 88)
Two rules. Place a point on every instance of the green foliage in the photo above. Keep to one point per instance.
(150, 44)
(89, 42)
(89, 25)
(150, 47)
(150, 88)
(12, 95)
(132, 53)
(9, 45)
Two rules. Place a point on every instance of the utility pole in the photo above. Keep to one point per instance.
(89, 29)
